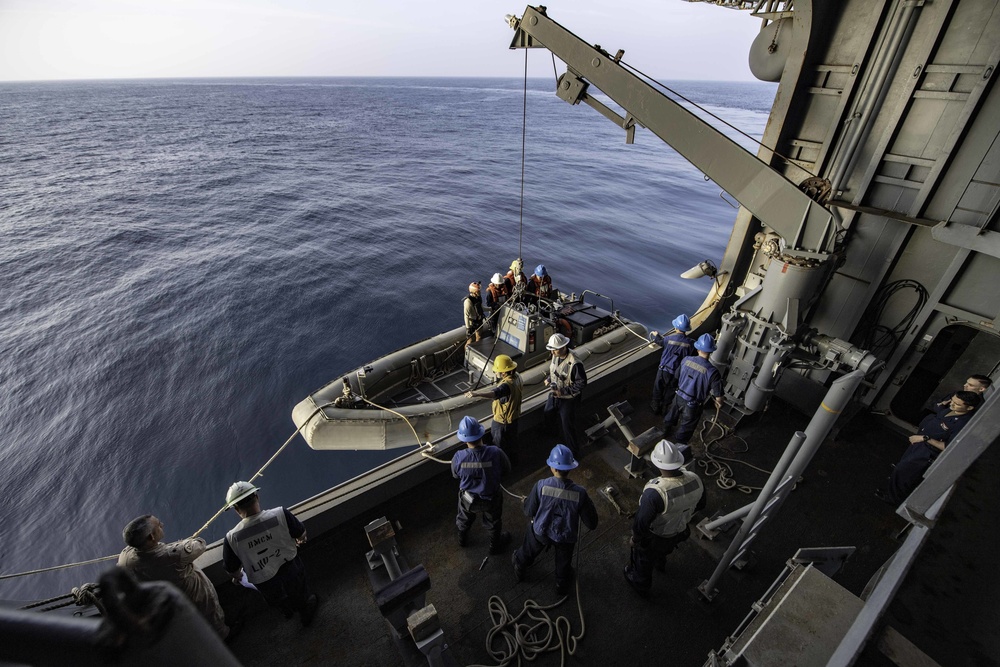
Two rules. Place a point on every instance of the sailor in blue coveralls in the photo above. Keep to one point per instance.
(556, 507)
(478, 469)
(665, 508)
(933, 435)
(676, 347)
(698, 380)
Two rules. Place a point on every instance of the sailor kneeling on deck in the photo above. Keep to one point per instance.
(265, 545)
(506, 395)
(556, 507)
(478, 469)
(665, 509)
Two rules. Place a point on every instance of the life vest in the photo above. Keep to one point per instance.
(497, 295)
(507, 410)
(558, 512)
(263, 544)
(540, 286)
(680, 498)
(513, 281)
(474, 318)
(560, 373)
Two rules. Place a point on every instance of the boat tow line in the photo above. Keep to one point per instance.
(78, 591)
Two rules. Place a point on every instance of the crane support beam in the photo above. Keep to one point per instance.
(772, 198)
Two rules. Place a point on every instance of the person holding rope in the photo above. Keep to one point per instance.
(516, 281)
(151, 560)
(473, 310)
(556, 507)
(698, 379)
(264, 545)
(665, 508)
(506, 395)
(478, 468)
(676, 347)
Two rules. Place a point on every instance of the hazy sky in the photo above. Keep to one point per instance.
(73, 39)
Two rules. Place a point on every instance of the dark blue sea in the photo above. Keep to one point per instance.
(184, 260)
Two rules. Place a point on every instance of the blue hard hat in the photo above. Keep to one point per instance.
(705, 343)
(470, 430)
(561, 458)
(540, 271)
(682, 323)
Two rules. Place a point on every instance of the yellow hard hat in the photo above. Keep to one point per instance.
(503, 363)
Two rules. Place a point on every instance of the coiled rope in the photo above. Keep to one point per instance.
(532, 632)
(714, 465)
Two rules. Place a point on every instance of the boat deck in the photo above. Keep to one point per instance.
(832, 506)
(432, 390)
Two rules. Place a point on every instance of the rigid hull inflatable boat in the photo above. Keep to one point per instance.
(417, 395)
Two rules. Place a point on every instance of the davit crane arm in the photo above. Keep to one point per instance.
(773, 199)
(764, 329)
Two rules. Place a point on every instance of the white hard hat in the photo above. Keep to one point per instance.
(556, 342)
(239, 491)
(665, 456)
(496, 279)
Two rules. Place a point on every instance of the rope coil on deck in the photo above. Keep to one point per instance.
(714, 465)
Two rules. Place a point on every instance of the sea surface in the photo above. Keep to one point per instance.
(184, 260)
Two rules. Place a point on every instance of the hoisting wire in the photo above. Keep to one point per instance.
(524, 133)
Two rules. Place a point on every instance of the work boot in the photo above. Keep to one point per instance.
(499, 542)
(518, 570)
(565, 587)
(308, 611)
(643, 592)
(463, 537)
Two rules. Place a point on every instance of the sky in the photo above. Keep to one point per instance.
(101, 39)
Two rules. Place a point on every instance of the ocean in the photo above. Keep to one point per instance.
(185, 260)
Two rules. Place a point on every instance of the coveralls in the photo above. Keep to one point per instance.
(264, 546)
(474, 316)
(569, 377)
(174, 562)
(676, 347)
(478, 470)
(665, 508)
(918, 456)
(556, 506)
(697, 381)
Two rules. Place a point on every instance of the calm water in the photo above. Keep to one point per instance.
(183, 261)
